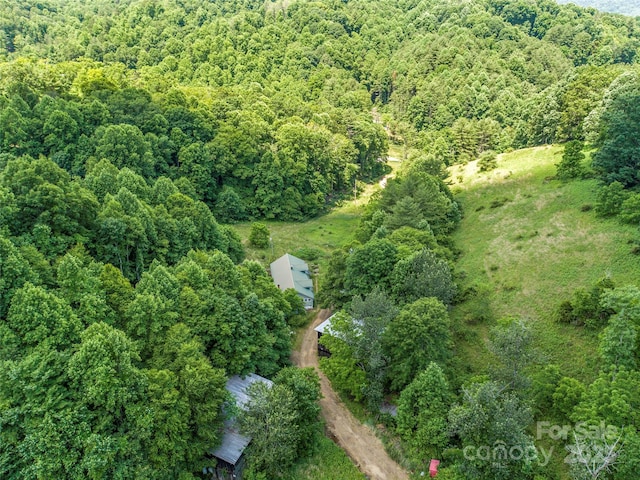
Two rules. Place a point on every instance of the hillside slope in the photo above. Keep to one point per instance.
(527, 245)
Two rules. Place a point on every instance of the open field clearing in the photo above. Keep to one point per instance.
(527, 243)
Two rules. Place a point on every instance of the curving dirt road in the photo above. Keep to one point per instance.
(356, 439)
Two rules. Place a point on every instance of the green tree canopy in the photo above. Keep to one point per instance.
(369, 266)
(422, 411)
(423, 274)
(418, 336)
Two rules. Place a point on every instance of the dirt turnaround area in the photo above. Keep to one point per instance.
(356, 439)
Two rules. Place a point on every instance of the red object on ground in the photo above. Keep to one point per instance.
(433, 467)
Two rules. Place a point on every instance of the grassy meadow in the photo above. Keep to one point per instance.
(528, 241)
(321, 235)
(328, 461)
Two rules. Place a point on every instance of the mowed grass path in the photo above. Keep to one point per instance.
(526, 241)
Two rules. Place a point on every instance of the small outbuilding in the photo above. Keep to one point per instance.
(322, 329)
(230, 454)
(292, 272)
(325, 329)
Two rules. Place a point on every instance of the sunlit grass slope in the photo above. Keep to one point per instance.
(322, 234)
(528, 241)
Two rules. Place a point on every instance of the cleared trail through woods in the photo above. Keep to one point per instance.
(357, 440)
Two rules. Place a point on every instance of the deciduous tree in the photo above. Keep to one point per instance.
(419, 335)
(422, 412)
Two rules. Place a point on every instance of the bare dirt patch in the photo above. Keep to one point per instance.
(357, 440)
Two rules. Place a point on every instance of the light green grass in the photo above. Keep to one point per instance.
(328, 462)
(533, 252)
(324, 233)
(396, 151)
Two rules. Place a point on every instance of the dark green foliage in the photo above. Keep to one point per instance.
(370, 266)
(618, 343)
(229, 206)
(81, 286)
(488, 415)
(610, 199)
(14, 273)
(411, 240)
(419, 335)
(38, 317)
(305, 386)
(272, 449)
(186, 395)
(422, 412)
(332, 289)
(232, 240)
(370, 319)
(124, 146)
(617, 157)
(52, 211)
(342, 367)
(621, 410)
(430, 164)
(544, 383)
(629, 459)
(289, 408)
(586, 307)
(296, 317)
(487, 161)
(421, 201)
(259, 237)
(423, 274)
(140, 401)
(567, 396)
(580, 97)
(370, 222)
(127, 129)
(630, 210)
(512, 344)
(309, 254)
(358, 362)
(570, 166)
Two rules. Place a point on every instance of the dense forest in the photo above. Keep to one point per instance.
(135, 133)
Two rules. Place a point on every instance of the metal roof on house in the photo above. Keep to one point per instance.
(292, 272)
(233, 442)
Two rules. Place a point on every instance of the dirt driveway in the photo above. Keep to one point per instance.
(356, 439)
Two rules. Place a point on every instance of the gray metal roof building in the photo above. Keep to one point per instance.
(292, 272)
(233, 442)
